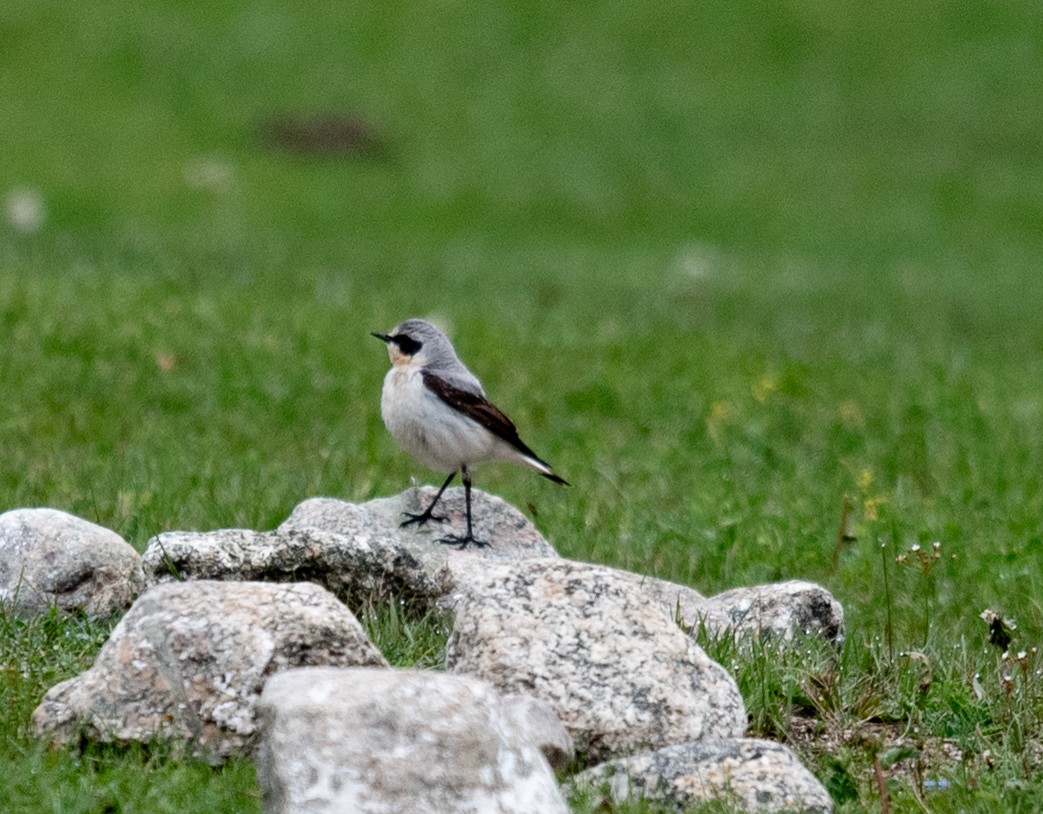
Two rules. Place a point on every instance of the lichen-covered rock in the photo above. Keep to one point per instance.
(358, 570)
(49, 557)
(758, 775)
(388, 741)
(189, 659)
(617, 670)
(358, 551)
(783, 611)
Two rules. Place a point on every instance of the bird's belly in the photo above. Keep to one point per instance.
(429, 429)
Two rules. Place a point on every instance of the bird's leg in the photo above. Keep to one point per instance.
(469, 538)
(426, 514)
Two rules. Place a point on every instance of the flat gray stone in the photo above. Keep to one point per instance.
(389, 741)
(358, 570)
(50, 558)
(357, 550)
(189, 659)
(757, 775)
(615, 667)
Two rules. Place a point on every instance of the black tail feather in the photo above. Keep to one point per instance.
(555, 478)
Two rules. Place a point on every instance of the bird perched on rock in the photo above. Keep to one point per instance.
(436, 409)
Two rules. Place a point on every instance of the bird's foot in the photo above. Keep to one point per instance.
(421, 518)
(461, 541)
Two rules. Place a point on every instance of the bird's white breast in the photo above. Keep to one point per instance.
(429, 429)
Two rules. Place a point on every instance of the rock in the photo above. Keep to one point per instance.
(676, 599)
(536, 722)
(511, 535)
(189, 660)
(361, 553)
(617, 670)
(358, 551)
(784, 611)
(49, 557)
(758, 775)
(357, 570)
(382, 741)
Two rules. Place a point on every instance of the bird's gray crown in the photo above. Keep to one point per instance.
(423, 337)
(432, 349)
(423, 334)
(419, 330)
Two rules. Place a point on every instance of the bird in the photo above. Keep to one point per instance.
(437, 411)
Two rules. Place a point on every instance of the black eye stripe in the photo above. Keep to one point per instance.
(407, 344)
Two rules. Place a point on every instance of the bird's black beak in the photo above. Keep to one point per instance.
(384, 337)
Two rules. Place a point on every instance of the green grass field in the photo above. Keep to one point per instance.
(729, 267)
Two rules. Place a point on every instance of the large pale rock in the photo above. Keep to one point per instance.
(357, 550)
(189, 660)
(382, 742)
(49, 557)
(760, 776)
(616, 668)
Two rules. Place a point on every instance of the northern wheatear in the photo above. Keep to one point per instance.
(436, 409)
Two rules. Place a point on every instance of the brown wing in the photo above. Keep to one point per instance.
(478, 408)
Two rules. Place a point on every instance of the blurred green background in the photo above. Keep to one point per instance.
(727, 265)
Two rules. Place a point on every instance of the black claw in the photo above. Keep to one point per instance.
(421, 518)
(427, 514)
(463, 541)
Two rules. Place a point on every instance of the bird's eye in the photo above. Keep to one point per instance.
(407, 344)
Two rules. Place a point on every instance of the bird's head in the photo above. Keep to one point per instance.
(417, 341)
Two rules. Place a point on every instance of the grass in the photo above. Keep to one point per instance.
(730, 268)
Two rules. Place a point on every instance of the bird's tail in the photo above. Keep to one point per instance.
(544, 469)
(555, 478)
